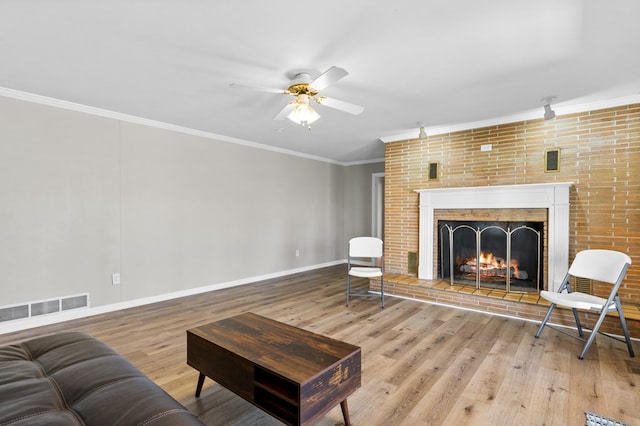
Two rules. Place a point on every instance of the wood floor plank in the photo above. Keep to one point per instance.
(422, 364)
(475, 403)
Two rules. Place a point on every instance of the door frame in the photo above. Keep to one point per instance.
(377, 205)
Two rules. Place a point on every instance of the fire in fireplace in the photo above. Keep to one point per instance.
(500, 255)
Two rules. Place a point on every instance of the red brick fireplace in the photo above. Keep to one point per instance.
(598, 152)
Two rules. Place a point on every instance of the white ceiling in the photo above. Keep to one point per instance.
(441, 62)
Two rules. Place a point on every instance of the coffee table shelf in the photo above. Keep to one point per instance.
(276, 395)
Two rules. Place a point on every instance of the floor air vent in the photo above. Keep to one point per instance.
(43, 307)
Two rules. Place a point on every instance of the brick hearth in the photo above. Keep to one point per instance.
(497, 302)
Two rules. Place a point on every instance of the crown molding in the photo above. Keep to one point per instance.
(534, 114)
(57, 103)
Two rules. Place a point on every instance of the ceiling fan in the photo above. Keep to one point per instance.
(304, 90)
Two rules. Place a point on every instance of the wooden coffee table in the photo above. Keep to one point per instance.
(292, 374)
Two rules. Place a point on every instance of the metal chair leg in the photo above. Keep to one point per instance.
(578, 324)
(625, 329)
(594, 332)
(348, 288)
(544, 321)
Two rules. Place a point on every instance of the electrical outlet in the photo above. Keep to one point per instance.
(115, 279)
(297, 252)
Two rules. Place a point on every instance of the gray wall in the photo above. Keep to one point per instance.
(85, 196)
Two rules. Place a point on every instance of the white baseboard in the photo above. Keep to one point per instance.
(41, 320)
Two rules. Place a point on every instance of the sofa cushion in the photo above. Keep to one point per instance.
(73, 378)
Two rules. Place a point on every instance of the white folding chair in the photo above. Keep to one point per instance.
(605, 266)
(372, 249)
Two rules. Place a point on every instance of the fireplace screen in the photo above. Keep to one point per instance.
(499, 255)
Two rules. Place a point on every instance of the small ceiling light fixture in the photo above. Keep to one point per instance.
(548, 112)
(423, 133)
(302, 113)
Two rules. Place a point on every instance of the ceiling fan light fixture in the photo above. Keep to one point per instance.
(302, 113)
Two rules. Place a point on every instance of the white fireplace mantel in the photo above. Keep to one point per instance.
(551, 196)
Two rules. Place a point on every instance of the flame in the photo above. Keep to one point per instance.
(489, 266)
(489, 261)
(515, 265)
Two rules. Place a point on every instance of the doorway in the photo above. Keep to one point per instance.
(377, 205)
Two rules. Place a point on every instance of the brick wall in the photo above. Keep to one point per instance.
(599, 152)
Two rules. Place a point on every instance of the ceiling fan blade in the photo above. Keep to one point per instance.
(284, 112)
(340, 105)
(327, 78)
(260, 89)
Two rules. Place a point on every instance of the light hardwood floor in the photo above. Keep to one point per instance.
(421, 364)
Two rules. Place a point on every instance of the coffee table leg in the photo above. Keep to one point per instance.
(200, 383)
(345, 413)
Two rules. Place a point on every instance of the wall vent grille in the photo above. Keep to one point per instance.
(412, 263)
(43, 307)
(583, 285)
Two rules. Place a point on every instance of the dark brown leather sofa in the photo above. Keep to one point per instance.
(75, 379)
